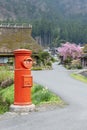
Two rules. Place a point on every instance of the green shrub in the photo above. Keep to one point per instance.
(41, 59)
(49, 64)
(5, 74)
(76, 64)
(6, 98)
(36, 88)
(4, 107)
(79, 67)
(52, 59)
(7, 94)
(68, 66)
(68, 61)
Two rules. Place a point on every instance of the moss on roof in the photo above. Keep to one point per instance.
(16, 38)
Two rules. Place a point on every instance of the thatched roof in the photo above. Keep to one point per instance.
(16, 37)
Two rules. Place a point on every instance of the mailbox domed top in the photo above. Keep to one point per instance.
(22, 51)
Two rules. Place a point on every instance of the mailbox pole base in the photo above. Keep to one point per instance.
(24, 108)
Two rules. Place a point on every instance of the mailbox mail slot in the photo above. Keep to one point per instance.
(27, 81)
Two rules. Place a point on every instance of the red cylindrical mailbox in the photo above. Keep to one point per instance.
(22, 77)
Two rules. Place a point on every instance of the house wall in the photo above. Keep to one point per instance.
(84, 62)
(3, 60)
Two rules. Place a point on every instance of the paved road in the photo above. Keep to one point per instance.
(71, 117)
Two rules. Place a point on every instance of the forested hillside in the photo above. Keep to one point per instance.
(31, 9)
(54, 21)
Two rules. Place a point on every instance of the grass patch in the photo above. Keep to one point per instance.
(40, 95)
(6, 98)
(37, 68)
(5, 74)
(79, 77)
(7, 94)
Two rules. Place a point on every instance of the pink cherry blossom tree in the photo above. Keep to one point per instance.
(70, 51)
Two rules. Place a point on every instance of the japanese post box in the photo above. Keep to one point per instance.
(22, 77)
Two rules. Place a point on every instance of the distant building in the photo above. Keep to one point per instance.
(5, 55)
(84, 60)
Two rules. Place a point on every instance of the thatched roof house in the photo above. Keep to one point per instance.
(16, 37)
